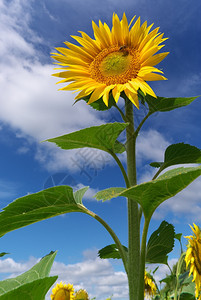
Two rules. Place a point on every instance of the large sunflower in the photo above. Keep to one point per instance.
(149, 285)
(193, 257)
(118, 60)
(63, 292)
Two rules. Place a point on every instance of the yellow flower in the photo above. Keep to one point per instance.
(193, 257)
(63, 292)
(81, 295)
(118, 60)
(149, 285)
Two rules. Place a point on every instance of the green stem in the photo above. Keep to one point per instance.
(158, 172)
(133, 218)
(143, 258)
(121, 168)
(113, 235)
(178, 271)
(141, 123)
(121, 113)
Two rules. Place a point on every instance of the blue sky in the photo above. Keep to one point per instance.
(33, 110)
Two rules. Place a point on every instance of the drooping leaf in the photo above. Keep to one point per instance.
(3, 253)
(166, 104)
(160, 243)
(111, 251)
(179, 154)
(152, 193)
(39, 206)
(101, 137)
(33, 283)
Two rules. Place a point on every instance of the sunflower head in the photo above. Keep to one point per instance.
(149, 285)
(81, 295)
(116, 62)
(63, 292)
(193, 257)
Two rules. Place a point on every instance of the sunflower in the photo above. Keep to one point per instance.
(193, 257)
(149, 285)
(63, 292)
(81, 295)
(115, 61)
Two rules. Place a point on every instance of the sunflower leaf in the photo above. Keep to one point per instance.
(32, 284)
(36, 289)
(101, 137)
(109, 193)
(78, 195)
(160, 243)
(36, 207)
(152, 193)
(166, 104)
(3, 253)
(111, 251)
(179, 154)
(188, 292)
(178, 236)
(99, 104)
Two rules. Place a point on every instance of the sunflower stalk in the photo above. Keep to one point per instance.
(133, 214)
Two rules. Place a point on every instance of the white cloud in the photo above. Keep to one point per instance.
(95, 275)
(151, 145)
(30, 102)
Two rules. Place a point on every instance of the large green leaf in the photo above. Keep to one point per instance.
(179, 154)
(151, 194)
(40, 206)
(32, 284)
(101, 137)
(166, 104)
(36, 289)
(160, 243)
(111, 251)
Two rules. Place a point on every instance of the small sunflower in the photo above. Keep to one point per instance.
(115, 61)
(63, 292)
(193, 257)
(81, 295)
(149, 285)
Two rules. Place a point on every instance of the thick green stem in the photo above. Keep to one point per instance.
(133, 218)
(143, 258)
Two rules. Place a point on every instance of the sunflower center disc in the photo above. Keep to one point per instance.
(115, 65)
(62, 294)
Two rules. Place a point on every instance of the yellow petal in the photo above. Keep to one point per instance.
(154, 60)
(97, 94)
